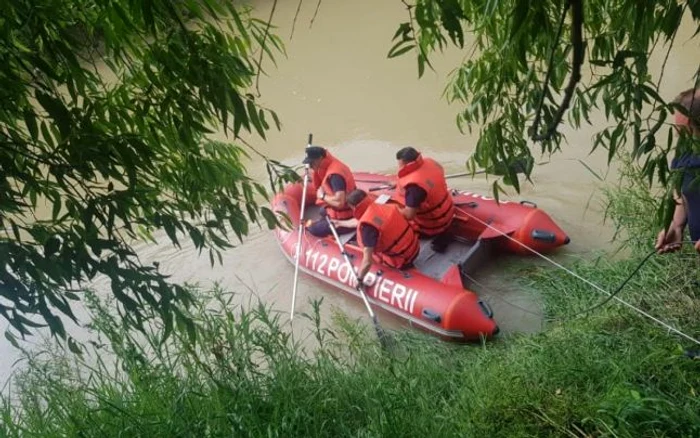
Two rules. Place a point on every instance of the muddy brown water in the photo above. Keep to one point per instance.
(337, 83)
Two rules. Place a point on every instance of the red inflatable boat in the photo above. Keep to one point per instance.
(432, 295)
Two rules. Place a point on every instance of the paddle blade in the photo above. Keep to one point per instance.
(385, 340)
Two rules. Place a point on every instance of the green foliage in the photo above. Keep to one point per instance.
(608, 375)
(518, 65)
(92, 160)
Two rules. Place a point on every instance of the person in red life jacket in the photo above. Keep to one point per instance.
(427, 200)
(334, 181)
(687, 210)
(382, 232)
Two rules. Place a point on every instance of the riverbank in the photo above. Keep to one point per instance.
(608, 372)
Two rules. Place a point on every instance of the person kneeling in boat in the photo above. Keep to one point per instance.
(427, 200)
(334, 181)
(382, 232)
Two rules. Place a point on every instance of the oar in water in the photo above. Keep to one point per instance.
(301, 231)
(521, 165)
(384, 338)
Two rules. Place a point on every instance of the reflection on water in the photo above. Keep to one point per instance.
(337, 83)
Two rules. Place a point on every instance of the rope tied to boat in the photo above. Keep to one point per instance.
(611, 296)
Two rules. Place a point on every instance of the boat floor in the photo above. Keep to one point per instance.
(429, 262)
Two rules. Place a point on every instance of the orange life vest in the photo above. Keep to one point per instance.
(436, 212)
(330, 166)
(397, 243)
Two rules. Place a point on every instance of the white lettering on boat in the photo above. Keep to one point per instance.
(385, 289)
(399, 293)
(344, 273)
(324, 259)
(333, 265)
(395, 294)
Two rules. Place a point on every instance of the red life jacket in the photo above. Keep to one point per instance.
(397, 243)
(330, 166)
(436, 212)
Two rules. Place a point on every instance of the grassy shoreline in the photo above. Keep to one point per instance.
(609, 372)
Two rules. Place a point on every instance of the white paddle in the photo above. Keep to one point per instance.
(302, 229)
(384, 339)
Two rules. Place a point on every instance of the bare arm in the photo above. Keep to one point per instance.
(347, 223)
(336, 200)
(680, 215)
(670, 240)
(366, 262)
(408, 212)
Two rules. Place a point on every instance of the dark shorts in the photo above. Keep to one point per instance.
(320, 228)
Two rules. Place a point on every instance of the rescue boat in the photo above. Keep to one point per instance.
(434, 294)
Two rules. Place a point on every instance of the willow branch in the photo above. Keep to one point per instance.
(318, 5)
(262, 46)
(577, 61)
(296, 16)
(668, 52)
(550, 67)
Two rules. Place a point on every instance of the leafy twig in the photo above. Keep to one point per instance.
(262, 46)
(296, 15)
(550, 68)
(577, 61)
(318, 5)
(668, 52)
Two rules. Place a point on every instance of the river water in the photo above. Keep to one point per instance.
(337, 83)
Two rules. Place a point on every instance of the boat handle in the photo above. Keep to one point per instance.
(431, 315)
(530, 203)
(486, 309)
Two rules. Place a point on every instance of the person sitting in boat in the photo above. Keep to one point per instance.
(382, 233)
(334, 181)
(687, 210)
(427, 200)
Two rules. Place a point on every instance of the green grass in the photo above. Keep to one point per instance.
(609, 372)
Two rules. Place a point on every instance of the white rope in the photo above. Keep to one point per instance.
(590, 283)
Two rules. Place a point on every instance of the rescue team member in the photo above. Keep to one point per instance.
(382, 232)
(334, 181)
(688, 204)
(428, 202)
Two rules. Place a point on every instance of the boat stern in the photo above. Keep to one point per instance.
(538, 232)
(472, 317)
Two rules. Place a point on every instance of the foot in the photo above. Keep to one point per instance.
(440, 243)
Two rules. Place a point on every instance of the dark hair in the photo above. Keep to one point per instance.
(314, 153)
(355, 197)
(407, 154)
(690, 100)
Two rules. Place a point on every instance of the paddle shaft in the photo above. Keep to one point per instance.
(360, 286)
(301, 232)
(381, 334)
